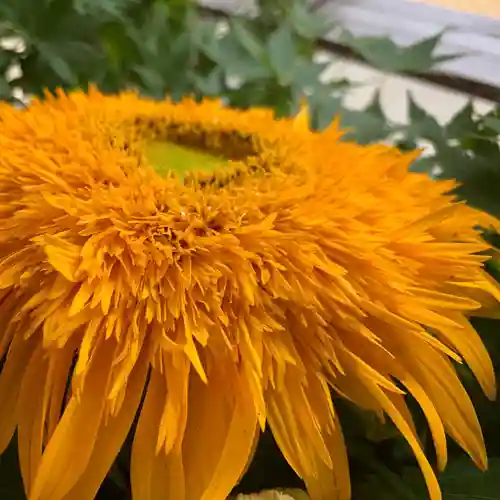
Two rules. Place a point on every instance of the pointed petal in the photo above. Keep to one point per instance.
(20, 352)
(32, 411)
(238, 446)
(57, 379)
(470, 346)
(111, 436)
(407, 432)
(319, 457)
(61, 467)
(154, 476)
(219, 412)
(301, 119)
(331, 483)
(441, 383)
(174, 416)
(434, 420)
(285, 425)
(167, 478)
(206, 430)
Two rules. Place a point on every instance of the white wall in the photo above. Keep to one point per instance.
(441, 102)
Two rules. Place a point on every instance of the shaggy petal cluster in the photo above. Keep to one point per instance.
(195, 313)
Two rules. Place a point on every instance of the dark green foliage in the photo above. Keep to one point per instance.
(383, 53)
(169, 47)
(11, 486)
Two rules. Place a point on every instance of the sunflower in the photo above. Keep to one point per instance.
(191, 274)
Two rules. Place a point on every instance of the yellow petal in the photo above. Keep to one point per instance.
(61, 467)
(237, 448)
(301, 120)
(167, 477)
(32, 411)
(154, 476)
(111, 436)
(469, 344)
(406, 430)
(18, 357)
(331, 483)
(441, 383)
(435, 423)
(57, 383)
(174, 415)
(207, 426)
(326, 476)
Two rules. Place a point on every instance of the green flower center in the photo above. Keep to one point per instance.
(167, 157)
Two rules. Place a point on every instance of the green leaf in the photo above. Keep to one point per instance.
(151, 80)
(154, 30)
(307, 73)
(247, 39)
(60, 67)
(282, 54)
(7, 58)
(382, 52)
(272, 12)
(212, 84)
(307, 24)
(421, 56)
(462, 123)
(386, 55)
(463, 481)
(5, 90)
(120, 52)
(205, 35)
(493, 123)
(324, 105)
(479, 176)
(264, 93)
(114, 8)
(250, 93)
(11, 485)
(368, 125)
(375, 430)
(229, 54)
(422, 124)
(424, 165)
(488, 329)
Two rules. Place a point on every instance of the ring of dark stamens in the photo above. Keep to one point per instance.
(230, 145)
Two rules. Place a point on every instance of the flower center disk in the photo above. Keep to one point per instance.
(168, 157)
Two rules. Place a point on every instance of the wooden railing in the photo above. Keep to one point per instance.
(477, 38)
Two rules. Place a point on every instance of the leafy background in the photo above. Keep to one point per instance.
(173, 47)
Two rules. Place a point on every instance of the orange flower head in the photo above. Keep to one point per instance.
(194, 273)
